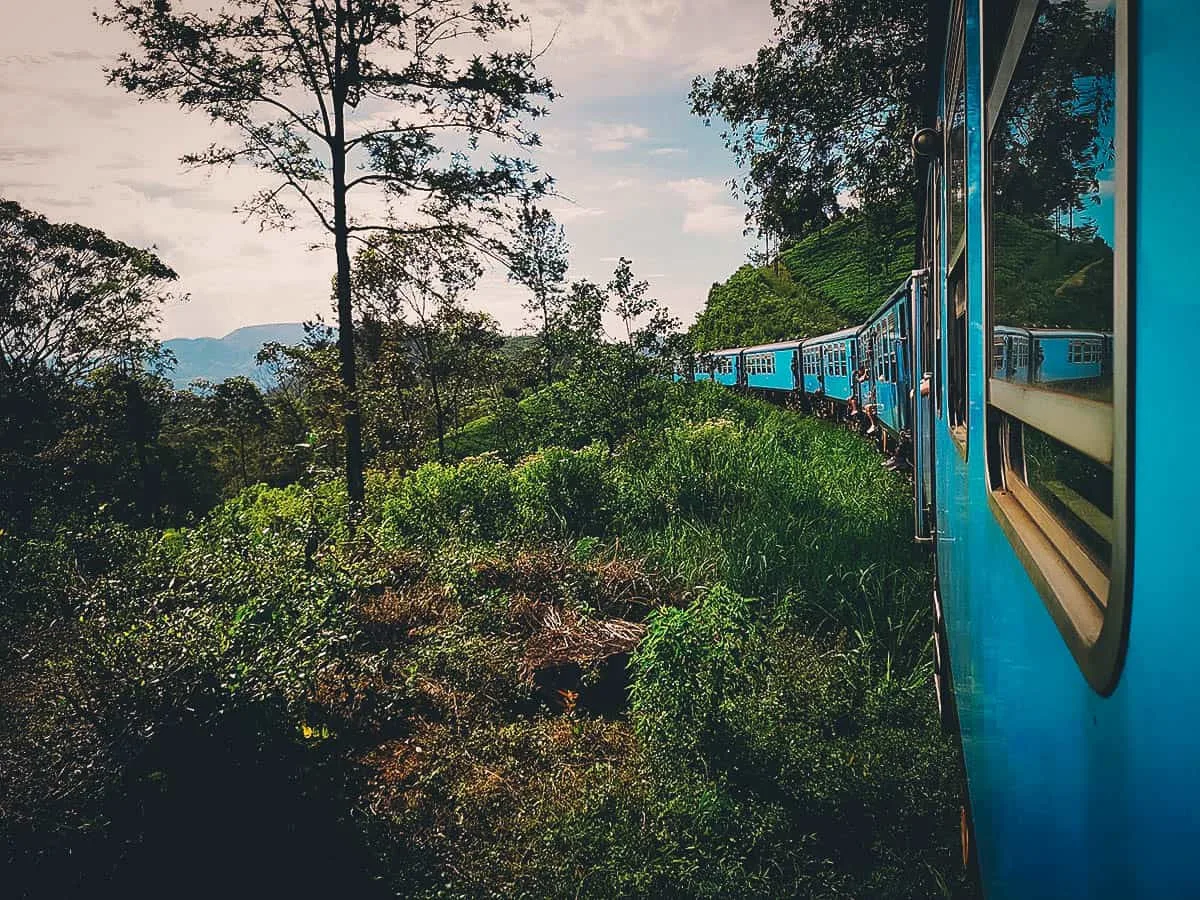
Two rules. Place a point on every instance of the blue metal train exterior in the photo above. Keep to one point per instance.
(1052, 475)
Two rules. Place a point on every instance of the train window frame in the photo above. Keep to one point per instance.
(723, 365)
(760, 363)
(1090, 608)
(936, 286)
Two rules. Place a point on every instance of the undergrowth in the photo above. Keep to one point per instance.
(687, 659)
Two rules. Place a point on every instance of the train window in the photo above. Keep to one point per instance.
(724, 365)
(956, 225)
(956, 353)
(1057, 304)
(935, 287)
(760, 364)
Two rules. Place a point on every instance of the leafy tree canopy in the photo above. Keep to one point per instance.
(72, 299)
(825, 111)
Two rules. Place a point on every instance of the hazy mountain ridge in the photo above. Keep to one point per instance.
(234, 354)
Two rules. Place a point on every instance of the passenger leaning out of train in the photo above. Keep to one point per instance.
(853, 407)
(861, 379)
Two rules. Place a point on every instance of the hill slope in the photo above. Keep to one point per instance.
(756, 306)
(850, 267)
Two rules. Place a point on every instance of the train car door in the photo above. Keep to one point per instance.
(921, 311)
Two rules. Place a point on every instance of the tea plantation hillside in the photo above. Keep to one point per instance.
(831, 279)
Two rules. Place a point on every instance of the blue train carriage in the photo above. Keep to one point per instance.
(771, 367)
(835, 357)
(882, 348)
(1051, 356)
(704, 366)
(726, 366)
(1064, 615)
(812, 369)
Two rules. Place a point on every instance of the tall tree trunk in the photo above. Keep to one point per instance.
(352, 421)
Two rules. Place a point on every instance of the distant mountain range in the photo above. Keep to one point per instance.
(219, 358)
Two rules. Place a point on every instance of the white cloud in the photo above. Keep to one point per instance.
(667, 151)
(613, 137)
(707, 209)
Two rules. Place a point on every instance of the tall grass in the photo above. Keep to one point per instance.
(787, 509)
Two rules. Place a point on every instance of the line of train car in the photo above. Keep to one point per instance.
(1053, 465)
(861, 369)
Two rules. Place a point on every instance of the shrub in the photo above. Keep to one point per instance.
(564, 491)
(470, 500)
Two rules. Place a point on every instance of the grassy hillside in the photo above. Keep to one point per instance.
(850, 267)
(756, 306)
(1043, 279)
(831, 279)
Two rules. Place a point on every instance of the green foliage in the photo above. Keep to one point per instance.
(1045, 280)
(795, 116)
(458, 668)
(72, 299)
(758, 306)
(788, 731)
(473, 499)
(564, 491)
(855, 262)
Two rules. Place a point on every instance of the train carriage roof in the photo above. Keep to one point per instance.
(757, 348)
(842, 335)
(1051, 332)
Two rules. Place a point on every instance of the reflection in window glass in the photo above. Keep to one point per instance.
(1052, 170)
(956, 206)
(1052, 158)
(1076, 489)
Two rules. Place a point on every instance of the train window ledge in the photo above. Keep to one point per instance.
(1087, 606)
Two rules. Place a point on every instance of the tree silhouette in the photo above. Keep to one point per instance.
(315, 89)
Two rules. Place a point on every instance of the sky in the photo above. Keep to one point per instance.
(638, 175)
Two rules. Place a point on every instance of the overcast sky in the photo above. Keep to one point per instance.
(645, 178)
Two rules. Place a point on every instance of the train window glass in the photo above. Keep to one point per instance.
(760, 364)
(956, 150)
(1056, 163)
(724, 365)
(998, 14)
(935, 291)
